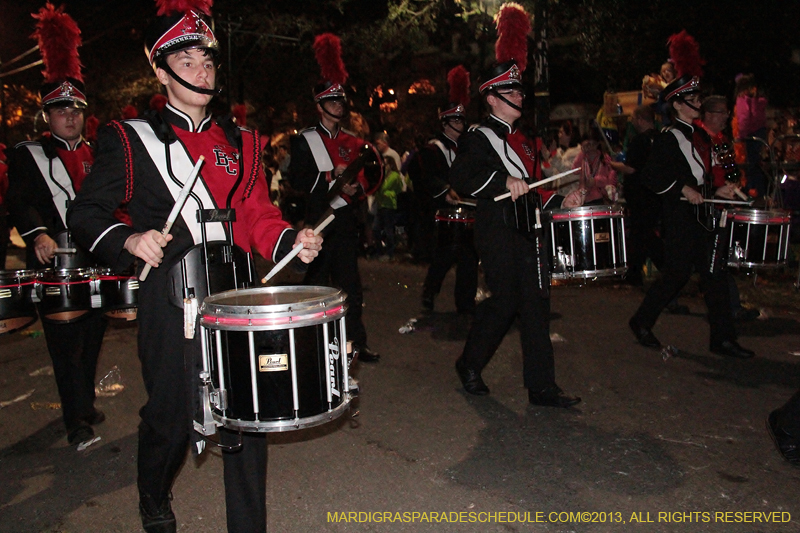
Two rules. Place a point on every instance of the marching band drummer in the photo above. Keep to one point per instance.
(678, 171)
(435, 159)
(489, 156)
(319, 155)
(138, 161)
(43, 179)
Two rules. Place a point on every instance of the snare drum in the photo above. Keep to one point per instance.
(118, 294)
(587, 242)
(17, 310)
(758, 238)
(454, 226)
(274, 358)
(64, 295)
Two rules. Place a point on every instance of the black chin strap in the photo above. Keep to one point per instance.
(687, 104)
(186, 84)
(325, 110)
(450, 124)
(506, 100)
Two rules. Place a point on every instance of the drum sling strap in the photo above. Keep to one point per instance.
(59, 182)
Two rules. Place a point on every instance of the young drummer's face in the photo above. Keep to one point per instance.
(197, 67)
(66, 122)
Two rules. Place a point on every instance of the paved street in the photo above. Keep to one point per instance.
(653, 435)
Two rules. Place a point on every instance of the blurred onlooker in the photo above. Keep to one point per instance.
(386, 217)
(751, 121)
(598, 179)
(562, 157)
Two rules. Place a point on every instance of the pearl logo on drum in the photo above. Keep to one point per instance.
(273, 363)
(333, 356)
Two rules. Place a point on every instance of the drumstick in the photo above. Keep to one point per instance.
(741, 195)
(539, 183)
(715, 201)
(296, 250)
(65, 251)
(464, 202)
(176, 209)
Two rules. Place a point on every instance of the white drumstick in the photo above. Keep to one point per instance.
(65, 251)
(741, 195)
(464, 202)
(296, 250)
(539, 183)
(176, 209)
(715, 201)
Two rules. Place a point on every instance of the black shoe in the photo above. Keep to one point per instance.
(552, 396)
(643, 335)
(732, 349)
(674, 308)
(79, 435)
(788, 446)
(365, 355)
(471, 379)
(156, 518)
(95, 418)
(746, 315)
(427, 302)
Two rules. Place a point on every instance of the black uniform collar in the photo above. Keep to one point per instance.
(326, 131)
(684, 127)
(447, 141)
(179, 119)
(58, 142)
(500, 126)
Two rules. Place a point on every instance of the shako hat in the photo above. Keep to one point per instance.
(458, 80)
(328, 53)
(511, 49)
(685, 54)
(59, 37)
(179, 26)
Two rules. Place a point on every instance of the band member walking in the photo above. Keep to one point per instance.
(43, 179)
(319, 155)
(680, 174)
(433, 179)
(492, 159)
(143, 162)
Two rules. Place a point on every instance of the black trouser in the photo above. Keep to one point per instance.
(509, 265)
(74, 349)
(337, 265)
(688, 245)
(644, 240)
(465, 258)
(165, 430)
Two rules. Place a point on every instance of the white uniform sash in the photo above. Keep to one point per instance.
(182, 166)
(691, 155)
(60, 178)
(321, 156)
(511, 160)
(449, 155)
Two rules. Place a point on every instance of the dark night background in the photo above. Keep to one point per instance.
(268, 62)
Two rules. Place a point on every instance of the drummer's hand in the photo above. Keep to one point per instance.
(692, 195)
(452, 197)
(45, 248)
(516, 187)
(312, 244)
(350, 189)
(726, 191)
(148, 246)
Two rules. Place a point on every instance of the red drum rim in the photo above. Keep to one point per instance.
(20, 284)
(113, 277)
(76, 282)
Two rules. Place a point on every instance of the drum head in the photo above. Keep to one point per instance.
(761, 216)
(272, 307)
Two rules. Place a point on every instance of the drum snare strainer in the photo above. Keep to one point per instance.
(274, 359)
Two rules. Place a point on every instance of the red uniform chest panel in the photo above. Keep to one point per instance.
(221, 168)
(78, 163)
(526, 149)
(343, 148)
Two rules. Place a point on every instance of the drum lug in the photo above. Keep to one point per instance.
(563, 259)
(208, 426)
(737, 254)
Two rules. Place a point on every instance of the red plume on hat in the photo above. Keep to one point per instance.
(513, 27)
(59, 38)
(158, 101)
(171, 7)
(328, 52)
(129, 112)
(685, 53)
(458, 80)
(92, 123)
